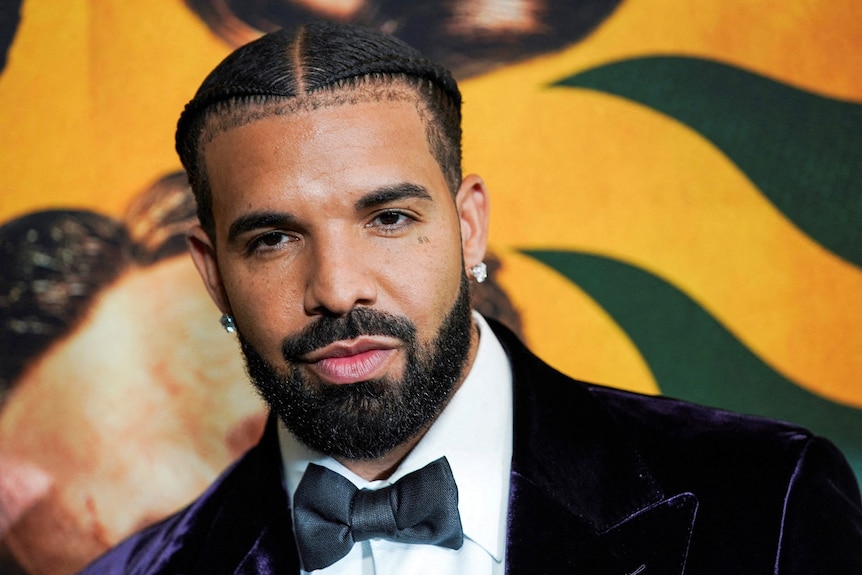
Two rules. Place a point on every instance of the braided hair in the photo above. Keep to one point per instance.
(318, 64)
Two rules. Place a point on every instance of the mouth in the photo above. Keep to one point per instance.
(346, 362)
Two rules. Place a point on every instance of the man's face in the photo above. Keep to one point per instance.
(117, 424)
(339, 253)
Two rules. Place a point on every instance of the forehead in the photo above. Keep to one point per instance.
(322, 153)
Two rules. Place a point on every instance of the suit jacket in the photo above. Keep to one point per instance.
(603, 482)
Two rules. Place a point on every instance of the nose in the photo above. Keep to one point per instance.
(339, 278)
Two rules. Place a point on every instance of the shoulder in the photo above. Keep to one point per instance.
(150, 551)
(219, 527)
(705, 442)
(170, 545)
(764, 488)
(666, 431)
(755, 479)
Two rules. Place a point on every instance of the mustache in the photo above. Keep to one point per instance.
(357, 322)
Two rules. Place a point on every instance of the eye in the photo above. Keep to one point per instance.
(270, 241)
(391, 221)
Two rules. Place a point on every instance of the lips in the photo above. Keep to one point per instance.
(351, 362)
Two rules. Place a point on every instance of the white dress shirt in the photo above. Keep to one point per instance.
(474, 432)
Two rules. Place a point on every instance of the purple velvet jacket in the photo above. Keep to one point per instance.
(603, 482)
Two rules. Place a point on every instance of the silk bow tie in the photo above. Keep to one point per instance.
(331, 514)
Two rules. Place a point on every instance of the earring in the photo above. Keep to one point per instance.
(227, 323)
(479, 272)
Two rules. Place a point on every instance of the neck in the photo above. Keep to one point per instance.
(383, 467)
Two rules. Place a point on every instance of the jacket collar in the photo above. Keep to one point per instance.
(581, 496)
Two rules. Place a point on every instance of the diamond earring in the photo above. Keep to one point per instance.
(479, 272)
(227, 323)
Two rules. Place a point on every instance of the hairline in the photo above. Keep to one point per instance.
(224, 116)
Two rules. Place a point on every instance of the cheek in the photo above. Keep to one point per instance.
(267, 306)
(428, 281)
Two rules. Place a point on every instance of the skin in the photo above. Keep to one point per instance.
(318, 212)
(104, 435)
(335, 9)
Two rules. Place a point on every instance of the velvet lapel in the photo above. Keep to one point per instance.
(251, 532)
(581, 498)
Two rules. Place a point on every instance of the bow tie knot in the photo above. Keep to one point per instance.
(373, 515)
(331, 514)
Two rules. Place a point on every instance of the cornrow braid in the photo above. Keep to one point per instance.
(315, 65)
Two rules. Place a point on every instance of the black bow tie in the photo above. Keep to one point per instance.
(331, 514)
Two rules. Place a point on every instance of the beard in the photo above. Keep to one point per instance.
(367, 419)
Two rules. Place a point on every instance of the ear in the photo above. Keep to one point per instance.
(473, 210)
(204, 255)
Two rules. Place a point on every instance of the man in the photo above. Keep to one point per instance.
(411, 435)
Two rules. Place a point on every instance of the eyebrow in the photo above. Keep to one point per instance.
(393, 193)
(257, 220)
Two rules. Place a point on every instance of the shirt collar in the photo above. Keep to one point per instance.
(474, 433)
